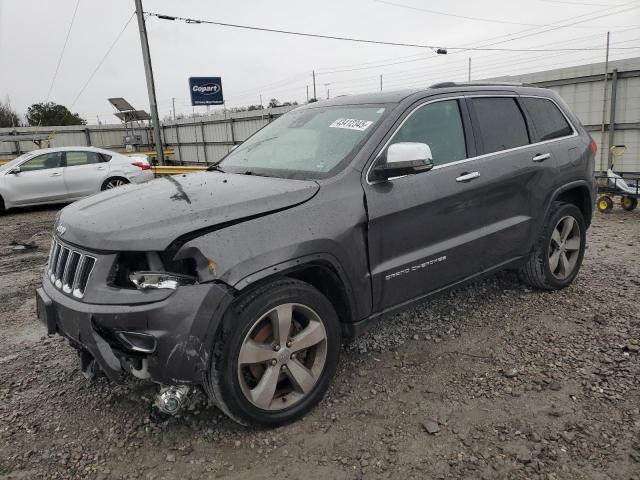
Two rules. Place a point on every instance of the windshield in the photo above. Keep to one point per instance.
(306, 144)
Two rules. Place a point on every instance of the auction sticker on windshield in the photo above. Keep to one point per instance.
(351, 124)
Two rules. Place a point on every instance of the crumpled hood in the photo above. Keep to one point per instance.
(151, 215)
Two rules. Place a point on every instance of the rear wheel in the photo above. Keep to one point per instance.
(605, 204)
(276, 354)
(114, 183)
(629, 203)
(559, 250)
(2, 208)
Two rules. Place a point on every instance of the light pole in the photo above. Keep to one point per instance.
(151, 89)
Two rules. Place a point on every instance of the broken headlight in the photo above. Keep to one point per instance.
(160, 280)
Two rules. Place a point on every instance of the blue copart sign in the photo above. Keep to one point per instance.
(206, 90)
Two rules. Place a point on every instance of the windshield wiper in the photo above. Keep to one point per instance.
(215, 168)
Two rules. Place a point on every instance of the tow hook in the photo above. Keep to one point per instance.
(171, 400)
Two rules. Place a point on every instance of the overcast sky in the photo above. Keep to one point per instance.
(253, 63)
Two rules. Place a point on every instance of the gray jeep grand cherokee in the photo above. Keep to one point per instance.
(243, 280)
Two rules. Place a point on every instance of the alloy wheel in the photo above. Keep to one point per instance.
(114, 183)
(564, 247)
(282, 357)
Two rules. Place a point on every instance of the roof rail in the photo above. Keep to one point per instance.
(480, 84)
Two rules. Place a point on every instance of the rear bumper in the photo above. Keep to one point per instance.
(184, 326)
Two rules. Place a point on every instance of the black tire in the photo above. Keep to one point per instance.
(605, 204)
(629, 203)
(241, 319)
(537, 271)
(2, 209)
(109, 181)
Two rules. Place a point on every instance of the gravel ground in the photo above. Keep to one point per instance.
(490, 381)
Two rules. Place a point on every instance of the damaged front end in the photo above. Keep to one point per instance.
(134, 313)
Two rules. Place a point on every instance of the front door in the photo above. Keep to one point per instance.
(433, 229)
(39, 180)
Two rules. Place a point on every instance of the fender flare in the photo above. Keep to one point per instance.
(565, 187)
(321, 259)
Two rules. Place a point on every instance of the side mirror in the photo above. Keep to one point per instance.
(405, 158)
(14, 171)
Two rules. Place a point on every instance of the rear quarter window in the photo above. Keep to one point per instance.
(500, 123)
(548, 120)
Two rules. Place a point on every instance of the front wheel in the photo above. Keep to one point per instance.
(276, 354)
(558, 252)
(605, 204)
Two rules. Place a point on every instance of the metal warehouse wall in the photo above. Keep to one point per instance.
(200, 139)
(582, 88)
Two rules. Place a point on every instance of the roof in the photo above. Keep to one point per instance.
(398, 95)
(66, 149)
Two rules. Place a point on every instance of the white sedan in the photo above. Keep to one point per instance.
(66, 174)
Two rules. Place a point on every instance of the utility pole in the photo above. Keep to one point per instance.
(604, 105)
(307, 93)
(314, 85)
(146, 56)
(469, 77)
(381, 83)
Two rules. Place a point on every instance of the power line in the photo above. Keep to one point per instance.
(369, 41)
(580, 3)
(64, 46)
(104, 57)
(466, 17)
(554, 26)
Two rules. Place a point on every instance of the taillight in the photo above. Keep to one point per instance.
(142, 165)
(594, 147)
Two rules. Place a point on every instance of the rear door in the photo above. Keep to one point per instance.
(514, 171)
(84, 172)
(39, 180)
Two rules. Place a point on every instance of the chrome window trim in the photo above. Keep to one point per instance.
(477, 157)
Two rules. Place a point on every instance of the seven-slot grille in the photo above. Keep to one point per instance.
(69, 269)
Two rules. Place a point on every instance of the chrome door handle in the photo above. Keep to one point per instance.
(467, 177)
(56, 174)
(541, 157)
(99, 168)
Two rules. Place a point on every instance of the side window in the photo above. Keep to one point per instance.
(501, 123)
(43, 162)
(82, 158)
(439, 125)
(547, 119)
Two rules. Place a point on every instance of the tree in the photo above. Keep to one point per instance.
(273, 103)
(52, 114)
(251, 108)
(311, 100)
(8, 116)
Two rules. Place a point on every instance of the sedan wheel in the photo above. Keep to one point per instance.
(114, 183)
(282, 357)
(564, 248)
